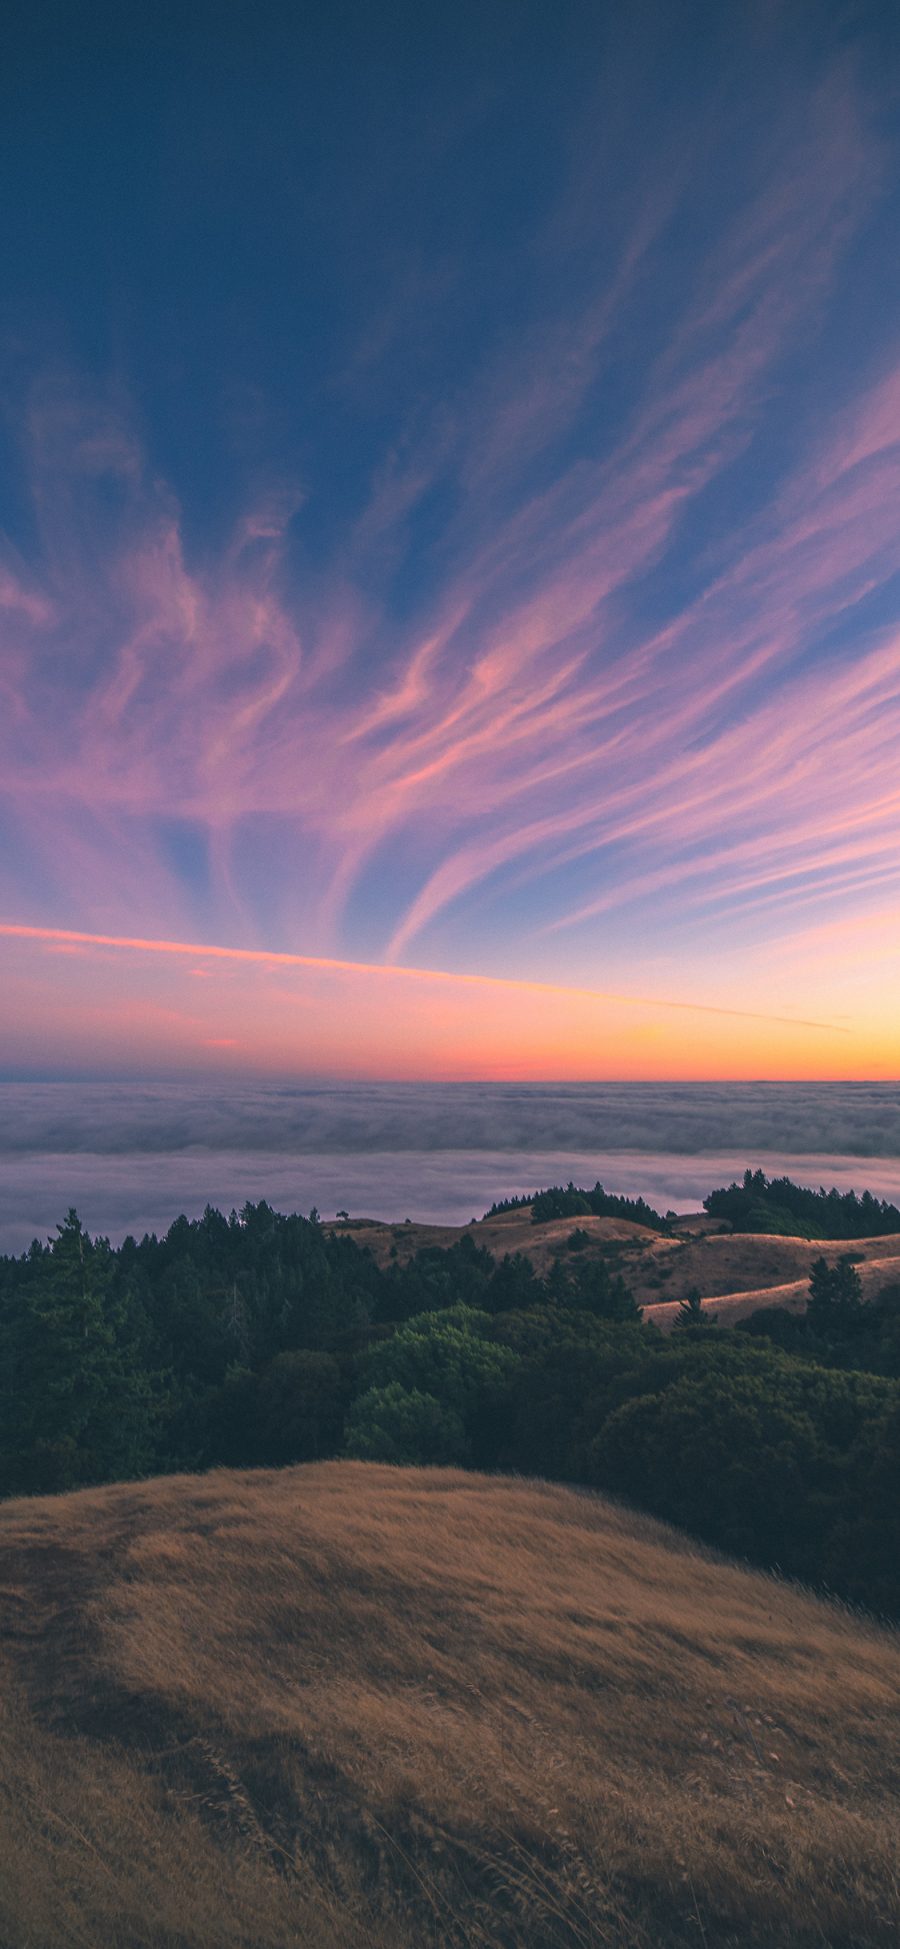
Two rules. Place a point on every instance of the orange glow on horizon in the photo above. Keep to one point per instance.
(128, 1001)
(65, 939)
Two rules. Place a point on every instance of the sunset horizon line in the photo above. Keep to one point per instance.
(78, 937)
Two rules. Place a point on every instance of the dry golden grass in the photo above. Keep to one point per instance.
(739, 1271)
(509, 1231)
(346, 1705)
(875, 1276)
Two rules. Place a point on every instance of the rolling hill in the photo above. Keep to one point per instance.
(349, 1705)
(739, 1271)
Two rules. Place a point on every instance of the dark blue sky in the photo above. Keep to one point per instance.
(450, 484)
(292, 235)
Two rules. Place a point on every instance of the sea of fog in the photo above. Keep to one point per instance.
(131, 1156)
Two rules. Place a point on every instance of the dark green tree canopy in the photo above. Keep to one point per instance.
(264, 1339)
(761, 1204)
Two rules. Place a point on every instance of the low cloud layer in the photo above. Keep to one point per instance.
(118, 1119)
(130, 1158)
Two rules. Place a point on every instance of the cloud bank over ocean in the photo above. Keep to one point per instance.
(854, 1119)
(132, 1156)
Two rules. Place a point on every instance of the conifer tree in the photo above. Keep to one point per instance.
(80, 1408)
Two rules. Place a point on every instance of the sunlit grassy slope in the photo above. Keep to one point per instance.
(346, 1705)
(735, 1272)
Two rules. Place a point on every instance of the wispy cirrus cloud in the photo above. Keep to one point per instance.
(602, 638)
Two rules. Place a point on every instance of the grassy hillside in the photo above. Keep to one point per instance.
(738, 1271)
(346, 1705)
(785, 1276)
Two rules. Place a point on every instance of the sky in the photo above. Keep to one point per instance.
(450, 540)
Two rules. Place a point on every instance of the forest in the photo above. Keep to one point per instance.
(762, 1204)
(262, 1339)
(569, 1201)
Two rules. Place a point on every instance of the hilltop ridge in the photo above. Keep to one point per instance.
(739, 1271)
(346, 1705)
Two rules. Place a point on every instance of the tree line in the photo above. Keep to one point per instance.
(761, 1204)
(757, 1204)
(571, 1201)
(264, 1339)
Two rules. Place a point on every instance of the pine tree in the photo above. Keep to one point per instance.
(79, 1408)
(836, 1303)
(691, 1312)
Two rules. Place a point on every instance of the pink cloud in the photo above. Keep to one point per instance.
(529, 716)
